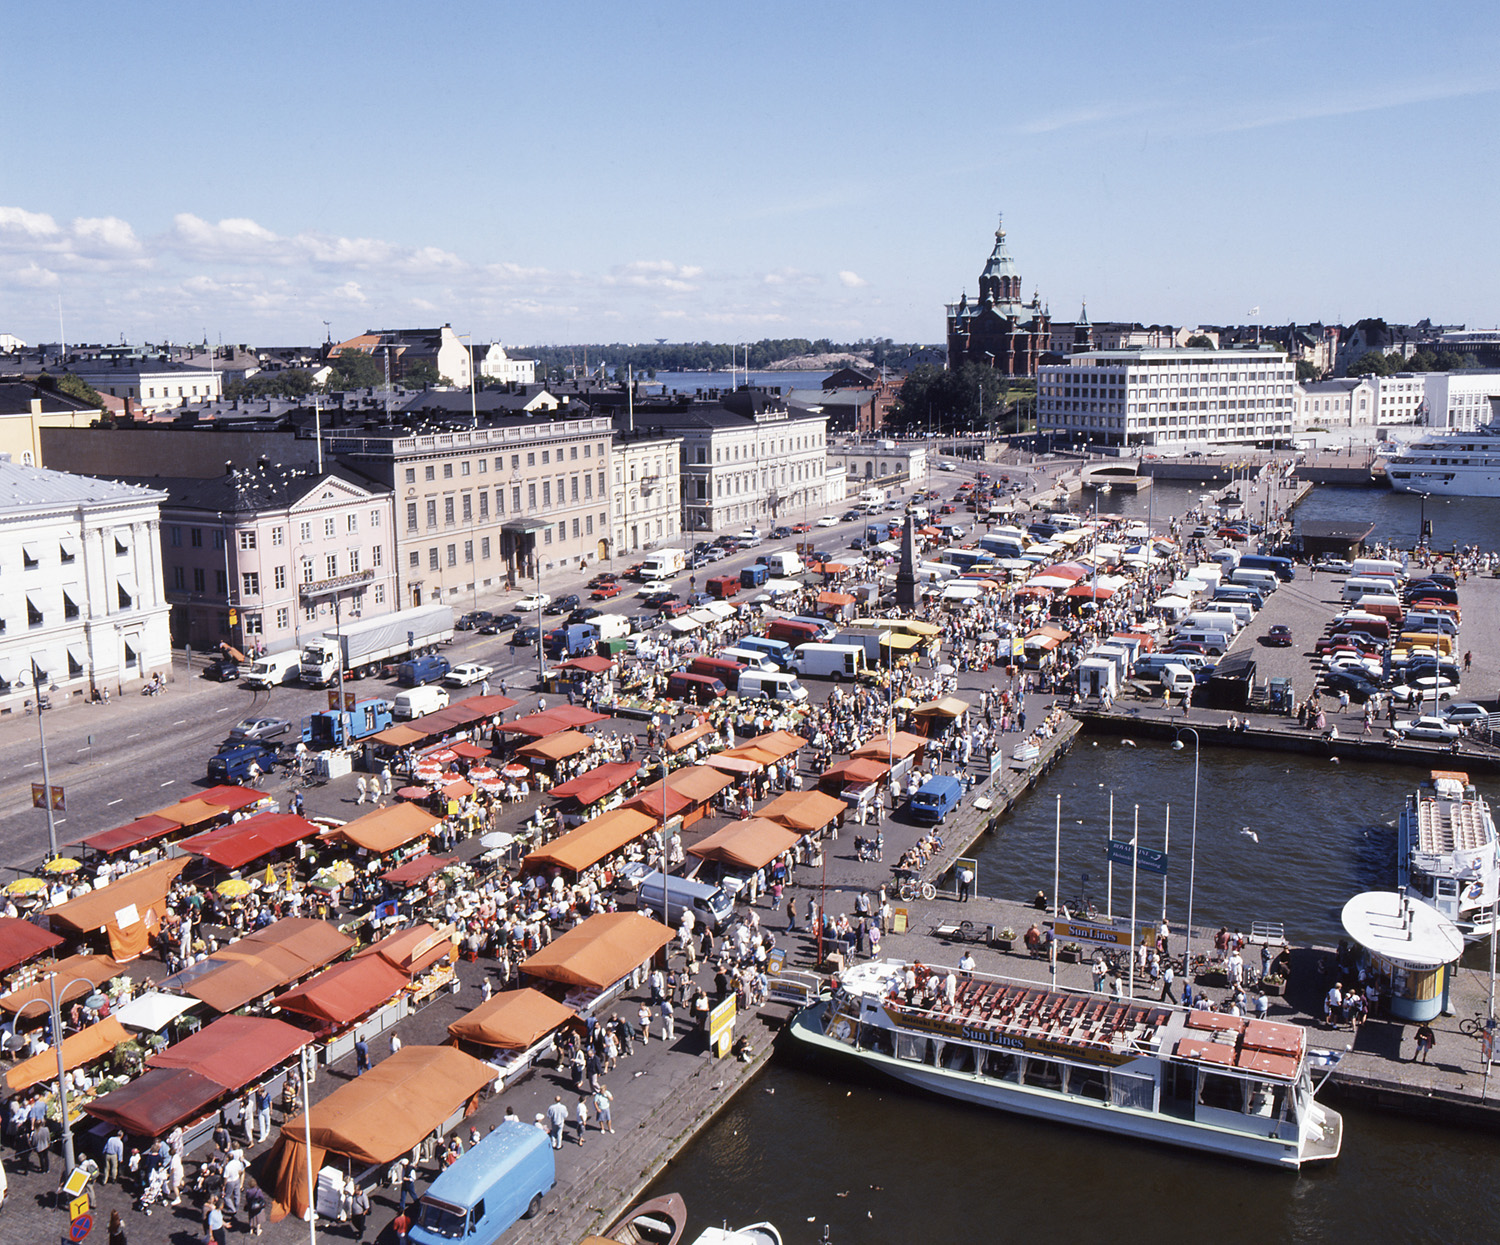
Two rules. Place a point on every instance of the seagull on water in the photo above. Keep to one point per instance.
(1249, 833)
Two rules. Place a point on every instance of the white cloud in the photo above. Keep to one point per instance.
(35, 277)
(852, 280)
(32, 224)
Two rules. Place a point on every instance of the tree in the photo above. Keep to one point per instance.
(69, 384)
(419, 375)
(1306, 370)
(354, 369)
(288, 383)
(1199, 342)
(1452, 361)
(1371, 363)
(969, 398)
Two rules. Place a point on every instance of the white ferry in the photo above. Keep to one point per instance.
(1453, 464)
(1446, 852)
(1224, 1084)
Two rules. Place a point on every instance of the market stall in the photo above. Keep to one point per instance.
(595, 960)
(515, 1028)
(243, 842)
(22, 940)
(88, 1044)
(77, 976)
(807, 812)
(128, 910)
(749, 844)
(387, 829)
(262, 962)
(688, 791)
(591, 842)
(576, 796)
(551, 721)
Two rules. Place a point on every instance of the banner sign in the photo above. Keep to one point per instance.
(1097, 933)
(1151, 860)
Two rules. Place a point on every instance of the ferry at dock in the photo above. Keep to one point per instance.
(1453, 464)
(1446, 852)
(1228, 1085)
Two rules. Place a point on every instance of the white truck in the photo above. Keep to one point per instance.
(611, 626)
(663, 563)
(783, 564)
(361, 648)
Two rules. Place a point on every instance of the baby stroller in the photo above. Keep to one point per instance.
(155, 1190)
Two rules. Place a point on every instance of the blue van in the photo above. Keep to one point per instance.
(778, 651)
(1283, 568)
(939, 796)
(498, 1181)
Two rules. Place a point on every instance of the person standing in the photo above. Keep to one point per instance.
(668, 1032)
(234, 1177)
(359, 1211)
(41, 1145)
(361, 1057)
(213, 1221)
(116, 1229)
(359, 785)
(1426, 1040)
(603, 1101)
(114, 1151)
(557, 1120)
(263, 1111)
(583, 1116)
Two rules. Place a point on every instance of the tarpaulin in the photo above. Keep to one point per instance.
(21, 939)
(596, 783)
(512, 1020)
(132, 834)
(235, 846)
(556, 747)
(234, 1051)
(156, 1102)
(550, 721)
(690, 736)
(128, 909)
(413, 950)
(340, 995)
(80, 1048)
(600, 951)
(386, 829)
(752, 844)
(76, 977)
(229, 796)
(416, 869)
(375, 1117)
(264, 961)
(891, 748)
(592, 841)
(804, 810)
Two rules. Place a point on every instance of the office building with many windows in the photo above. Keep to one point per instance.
(1156, 397)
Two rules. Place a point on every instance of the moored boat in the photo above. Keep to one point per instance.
(1451, 463)
(1446, 852)
(1224, 1084)
(659, 1221)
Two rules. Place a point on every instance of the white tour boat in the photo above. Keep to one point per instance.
(1232, 1086)
(1453, 464)
(1446, 852)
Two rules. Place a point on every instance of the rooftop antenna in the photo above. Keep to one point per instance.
(62, 338)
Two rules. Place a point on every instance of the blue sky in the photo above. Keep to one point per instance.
(580, 172)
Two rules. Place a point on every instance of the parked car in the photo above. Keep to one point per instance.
(1423, 691)
(222, 670)
(699, 598)
(1359, 687)
(655, 600)
(501, 622)
(1333, 566)
(1438, 729)
(1279, 636)
(780, 533)
(715, 554)
(849, 516)
(1466, 713)
(583, 614)
(472, 621)
(605, 592)
(469, 673)
(947, 467)
(533, 602)
(800, 529)
(827, 521)
(563, 604)
(258, 728)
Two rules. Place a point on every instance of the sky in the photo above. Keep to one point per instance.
(578, 172)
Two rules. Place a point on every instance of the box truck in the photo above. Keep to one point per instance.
(361, 648)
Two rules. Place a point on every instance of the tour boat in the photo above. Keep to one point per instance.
(1229, 1085)
(1446, 852)
(1454, 464)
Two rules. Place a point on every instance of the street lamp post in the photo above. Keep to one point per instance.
(1187, 954)
(41, 731)
(649, 762)
(69, 1161)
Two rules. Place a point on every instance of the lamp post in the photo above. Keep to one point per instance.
(41, 732)
(1187, 954)
(62, 1072)
(649, 762)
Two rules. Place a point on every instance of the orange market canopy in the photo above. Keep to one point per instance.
(233, 1051)
(340, 995)
(692, 735)
(76, 976)
(374, 1118)
(596, 783)
(734, 764)
(512, 1020)
(804, 811)
(413, 950)
(556, 747)
(417, 869)
(399, 736)
(600, 951)
(752, 844)
(856, 771)
(942, 707)
(128, 909)
(777, 744)
(891, 748)
(80, 1048)
(550, 721)
(262, 962)
(592, 841)
(386, 829)
(235, 846)
(593, 664)
(21, 939)
(684, 788)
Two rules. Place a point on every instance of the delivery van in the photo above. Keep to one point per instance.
(750, 658)
(784, 564)
(939, 796)
(701, 689)
(1212, 620)
(778, 651)
(1216, 643)
(721, 668)
(1384, 567)
(502, 1178)
(273, 669)
(416, 701)
(829, 661)
(710, 905)
(757, 683)
(792, 631)
(1357, 586)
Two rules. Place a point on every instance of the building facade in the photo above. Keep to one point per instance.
(491, 362)
(999, 329)
(1462, 400)
(1154, 397)
(264, 558)
(497, 505)
(892, 465)
(81, 591)
(153, 384)
(645, 491)
(1347, 403)
(442, 348)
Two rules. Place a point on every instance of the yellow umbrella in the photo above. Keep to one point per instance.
(26, 886)
(234, 888)
(63, 864)
(270, 877)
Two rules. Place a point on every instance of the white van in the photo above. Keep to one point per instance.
(750, 658)
(1242, 611)
(1357, 586)
(829, 661)
(757, 683)
(415, 701)
(273, 669)
(784, 563)
(1376, 566)
(1215, 642)
(1265, 582)
(1212, 620)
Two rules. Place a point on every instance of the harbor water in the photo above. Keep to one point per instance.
(877, 1164)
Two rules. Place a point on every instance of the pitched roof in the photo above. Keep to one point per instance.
(25, 489)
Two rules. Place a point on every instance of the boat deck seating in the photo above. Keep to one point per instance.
(1446, 826)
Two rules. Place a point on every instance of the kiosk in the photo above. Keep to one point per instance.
(1410, 943)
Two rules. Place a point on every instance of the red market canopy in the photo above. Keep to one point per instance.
(512, 1020)
(692, 735)
(471, 752)
(857, 771)
(417, 870)
(233, 1051)
(156, 1102)
(128, 909)
(1090, 592)
(235, 846)
(79, 1048)
(592, 664)
(734, 765)
(20, 940)
(804, 811)
(596, 783)
(132, 834)
(340, 995)
(551, 721)
(1064, 570)
(228, 797)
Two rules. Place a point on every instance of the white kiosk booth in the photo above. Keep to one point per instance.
(1409, 942)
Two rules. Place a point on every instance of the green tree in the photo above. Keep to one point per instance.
(354, 369)
(1199, 342)
(970, 398)
(1306, 370)
(419, 375)
(69, 384)
(1452, 361)
(289, 383)
(1372, 363)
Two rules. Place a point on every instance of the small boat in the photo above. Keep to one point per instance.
(659, 1221)
(755, 1234)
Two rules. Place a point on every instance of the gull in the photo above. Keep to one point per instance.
(1249, 833)
(1129, 743)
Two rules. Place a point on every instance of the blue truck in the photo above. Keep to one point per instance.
(338, 728)
(574, 640)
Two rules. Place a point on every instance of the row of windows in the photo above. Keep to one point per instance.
(461, 509)
(429, 472)
(439, 557)
(249, 536)
(254, 624)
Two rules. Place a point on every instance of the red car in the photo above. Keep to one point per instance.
(799, 529)
(674, 607)
(605, 590)
(1280, 636)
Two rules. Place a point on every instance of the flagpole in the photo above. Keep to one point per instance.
(1135, 856)
(1056, 883)
(1110, 901)
(1166, 848)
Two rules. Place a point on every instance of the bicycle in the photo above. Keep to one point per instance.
(908, 888)
(1478, 1026)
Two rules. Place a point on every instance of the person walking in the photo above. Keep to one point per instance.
(359, 1211)
(213, 1221)
(1167, 977)
(583, 1116)
(256, 1205)
(41, 1145)
(114, 1151)
(361, 1057)
(359, 785)
(116, 1229)
(668, 1032)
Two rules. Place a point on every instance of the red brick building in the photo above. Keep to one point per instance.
(999, 330)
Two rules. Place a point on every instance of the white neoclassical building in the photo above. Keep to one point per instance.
(81, 599)
(646, 493)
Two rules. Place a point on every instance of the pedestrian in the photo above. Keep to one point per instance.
(557, 1120)
(965, 883)
(114, 1151)
(41, 1145)
(1167, 977)
(1426, 1040)
(401, 1225)
(359, 1211)
(408, 1188)
(667, 1031)
(359, 785)
(361, 1057)
(395, 1041)
(602, 1109)
(583, 1116)
(644, 1016)
(234, 1179)
(263, 1112)
(213, 1221)
(116, 1229)
(256, 1205)
(385, 781)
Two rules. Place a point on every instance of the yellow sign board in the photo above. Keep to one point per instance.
(721, 1025)
(899, 918)
(76, 1183)
(79, 1206)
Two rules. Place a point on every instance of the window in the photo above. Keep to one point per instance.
(531, 460)
(175, 532)
(484, 548)
(562, 530)
(548, 536)
(380, 592)
(515, 463)
(411, 516)
(278, 537)
(353, 522)
(195, 537)
(179, 577)
(468, 551)
(484, 466)
(414, 560)
(530, 496)
(546, 493)
(307, 570)
(589, 521)
(515, 499)
(283, 618)
(452, 555)
(432, 512)
(247, 540)
(374, 518)
(33, 615)
(250, 584)
(546, 457)
(464, 467)
(332, 563)
(375, 556)
(218, 541)
(430, 473)
(468, 508)
(305, 531)
(311, 613)
(354, 561)
(411, 475)
(573, 492)
(575, 529)
(484, 503)
(278, 577)
(197, 579)
(447, 471)
(330, 526)
(588, 487)
(432, 559)
(29, 560)
(448, 511)
(252, 624)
